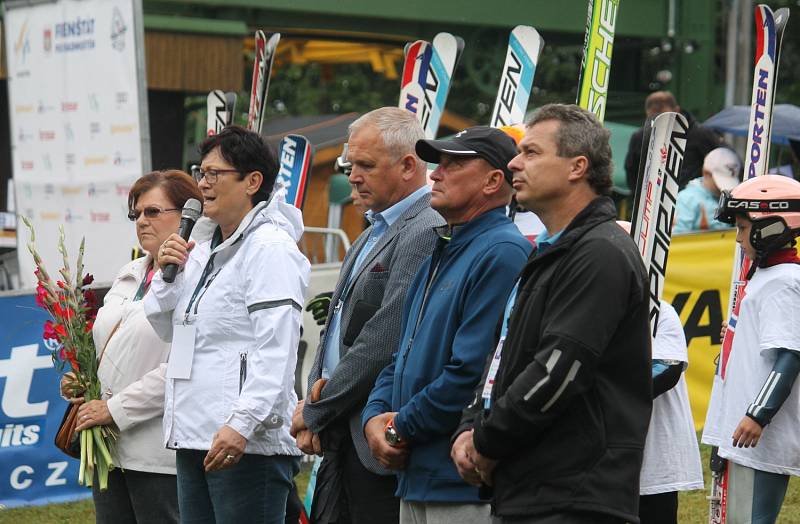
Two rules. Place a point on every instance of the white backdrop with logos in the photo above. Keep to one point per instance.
(78, 124)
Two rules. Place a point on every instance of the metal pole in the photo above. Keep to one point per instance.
(731, 54)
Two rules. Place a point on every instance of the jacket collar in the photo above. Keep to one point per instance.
(276, 211)
(599, 210)
(462, 234)
(416, 208)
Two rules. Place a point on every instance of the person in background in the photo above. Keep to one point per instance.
(558, 425)
(362, 329)
(700, 140)
(697, 202)
(233, 315)
(448, 327)
(133, 360)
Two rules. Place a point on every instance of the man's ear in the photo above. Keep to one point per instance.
(409, 166)
(579, 166)
(494, 182)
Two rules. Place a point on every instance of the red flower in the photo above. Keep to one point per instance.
(72, 361)
(50, 331)
(61, 312)
(41, 296)
(60, 284)
(90, 300)
(89, 326)
(88, 279)
(61, 332)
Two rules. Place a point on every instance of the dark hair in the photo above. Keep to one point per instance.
(580, 134)
(247, 152)
(178, 186)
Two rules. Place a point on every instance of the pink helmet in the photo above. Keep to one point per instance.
(772, 203)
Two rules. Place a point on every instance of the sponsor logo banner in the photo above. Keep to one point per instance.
(697, 285)
(32, 469)
(75, 123)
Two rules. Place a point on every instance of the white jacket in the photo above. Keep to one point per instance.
(247, 314)
(131, 374)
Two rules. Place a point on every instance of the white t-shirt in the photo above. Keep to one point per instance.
(671, 455)
(769, 318)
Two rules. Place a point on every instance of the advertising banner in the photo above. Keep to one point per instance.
(697, 285)
(32, 469)
(76, 127)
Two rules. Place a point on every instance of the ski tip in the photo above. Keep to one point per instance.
(448, 47)
(781, 17)
(260, 35)
(528, 37)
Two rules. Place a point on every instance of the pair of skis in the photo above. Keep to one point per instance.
(769, 35)
(295, 154)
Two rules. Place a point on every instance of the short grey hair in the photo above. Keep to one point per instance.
(580, 134)
(399, 129)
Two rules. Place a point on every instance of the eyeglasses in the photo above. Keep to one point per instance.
(149, 212)
(210, 175)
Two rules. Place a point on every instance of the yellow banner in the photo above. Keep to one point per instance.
(697, 285)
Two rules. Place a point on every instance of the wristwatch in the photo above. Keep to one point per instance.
(392, 437)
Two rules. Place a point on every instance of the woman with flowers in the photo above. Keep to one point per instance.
(233, 316)
(132, 366)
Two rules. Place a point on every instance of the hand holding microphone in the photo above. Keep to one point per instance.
(175, 250)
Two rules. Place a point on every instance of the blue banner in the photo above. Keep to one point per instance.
(32, 469)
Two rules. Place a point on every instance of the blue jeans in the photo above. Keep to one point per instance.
(253, 490)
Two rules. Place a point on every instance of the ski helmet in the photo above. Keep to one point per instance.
(771, 203)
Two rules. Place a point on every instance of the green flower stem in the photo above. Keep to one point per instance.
(82, 470)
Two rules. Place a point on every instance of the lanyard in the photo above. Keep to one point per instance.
(143, 287)
(205, 281)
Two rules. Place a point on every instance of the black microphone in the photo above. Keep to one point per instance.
(189, 215)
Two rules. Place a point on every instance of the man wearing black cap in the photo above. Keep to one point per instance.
(447, 331)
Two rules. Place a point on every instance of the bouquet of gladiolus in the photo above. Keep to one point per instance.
(69, 335)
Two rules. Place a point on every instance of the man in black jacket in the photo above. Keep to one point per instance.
(558, 425)
(700, 141)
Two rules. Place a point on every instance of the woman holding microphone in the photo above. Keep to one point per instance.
(233, 318)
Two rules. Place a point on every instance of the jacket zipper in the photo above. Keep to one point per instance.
(428, 286)
(242, 370)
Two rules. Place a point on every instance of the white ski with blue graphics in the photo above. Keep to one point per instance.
(296, 156)
(524, 46)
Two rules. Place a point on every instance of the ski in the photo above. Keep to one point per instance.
(769, 35)
(663, 148)
(524, 46)
(216, 106)
(259, 69)
(296, 158)
(427, 74)
(598, 44)
(262, 68)
(230, 107)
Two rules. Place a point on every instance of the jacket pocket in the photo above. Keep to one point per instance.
(362, 312)
(573, 444)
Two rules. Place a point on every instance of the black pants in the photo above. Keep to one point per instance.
(572, 517)
(136, 497)
(369, 497)
(659, 509)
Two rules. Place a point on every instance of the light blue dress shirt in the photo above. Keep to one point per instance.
(380, 224)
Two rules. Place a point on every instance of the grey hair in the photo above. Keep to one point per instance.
(399, 129)
(580, 134)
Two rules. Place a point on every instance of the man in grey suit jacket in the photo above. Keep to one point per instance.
(363, 325)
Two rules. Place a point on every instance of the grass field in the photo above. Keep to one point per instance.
(693, 507)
